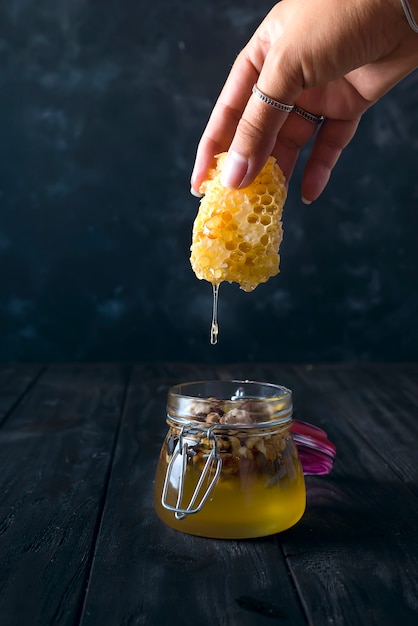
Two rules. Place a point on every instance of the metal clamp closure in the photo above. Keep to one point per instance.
(213, 462)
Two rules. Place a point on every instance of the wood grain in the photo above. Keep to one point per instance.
(15, 381)
(81, 544)
(55, 454)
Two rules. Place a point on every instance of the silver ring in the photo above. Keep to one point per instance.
(315, 119)
(409, 15)
(274, 103)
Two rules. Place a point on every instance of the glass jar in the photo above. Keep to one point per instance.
(229, 467)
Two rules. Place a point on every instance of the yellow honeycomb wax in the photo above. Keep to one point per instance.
(237, 232)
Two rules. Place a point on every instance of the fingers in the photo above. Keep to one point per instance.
(250, 129)
(241, 123)
(261, 121)
(253, 142)
(293, 136)
(332, 138)
(216, 138)
(225, 116)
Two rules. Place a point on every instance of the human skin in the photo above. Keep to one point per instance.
(331, 58)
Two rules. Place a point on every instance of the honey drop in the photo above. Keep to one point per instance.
(214, 329)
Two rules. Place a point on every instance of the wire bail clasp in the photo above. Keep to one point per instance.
(213, 462)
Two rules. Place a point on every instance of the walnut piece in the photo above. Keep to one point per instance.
(262, 449)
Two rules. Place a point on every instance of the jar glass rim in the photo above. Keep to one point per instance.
(272, 402)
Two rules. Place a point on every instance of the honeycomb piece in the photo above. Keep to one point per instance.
(237, 232)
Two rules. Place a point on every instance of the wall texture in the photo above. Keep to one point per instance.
(101, 106)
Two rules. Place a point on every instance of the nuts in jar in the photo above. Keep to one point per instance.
(229, 467)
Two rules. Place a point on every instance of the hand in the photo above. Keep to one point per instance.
(330, 58)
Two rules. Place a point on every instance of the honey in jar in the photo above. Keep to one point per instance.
(229, 467)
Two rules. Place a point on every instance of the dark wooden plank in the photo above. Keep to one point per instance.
(55, 454)
(354, 555)
(146, 573)
(15, 381)
(352, 559)
(371, 583)
(387, 399)
(353, 499)
(381, 404)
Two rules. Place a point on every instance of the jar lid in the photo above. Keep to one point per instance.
(316, 451)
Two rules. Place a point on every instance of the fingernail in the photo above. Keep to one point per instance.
(234, 170)
(195, 193)
(305, 201)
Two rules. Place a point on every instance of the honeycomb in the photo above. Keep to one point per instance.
(237, 232)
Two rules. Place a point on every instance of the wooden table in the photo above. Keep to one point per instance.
(80, 542)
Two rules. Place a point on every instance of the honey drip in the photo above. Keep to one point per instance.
(214, 329)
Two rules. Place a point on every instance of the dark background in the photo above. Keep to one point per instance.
(101, 107)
